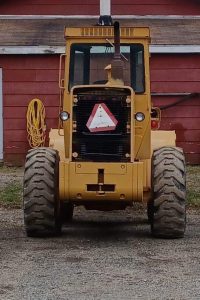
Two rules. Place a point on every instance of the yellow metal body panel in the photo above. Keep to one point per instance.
(161, 138)
(107, 31)
(56, 141)
(127, 180)
(92, 168)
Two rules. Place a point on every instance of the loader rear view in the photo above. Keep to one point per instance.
(107, 152)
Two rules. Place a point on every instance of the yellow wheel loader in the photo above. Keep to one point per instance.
(107, 152)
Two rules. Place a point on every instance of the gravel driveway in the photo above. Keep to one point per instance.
(99, 256)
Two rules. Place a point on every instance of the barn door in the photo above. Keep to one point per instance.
(1, 117)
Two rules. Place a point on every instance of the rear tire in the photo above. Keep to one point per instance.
(168, 211)
(40, 193)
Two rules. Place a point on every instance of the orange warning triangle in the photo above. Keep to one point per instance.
(101, 119)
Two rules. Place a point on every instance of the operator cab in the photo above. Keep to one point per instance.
(88, 63)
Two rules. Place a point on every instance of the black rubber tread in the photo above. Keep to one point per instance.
(40, 202)
(167, 212)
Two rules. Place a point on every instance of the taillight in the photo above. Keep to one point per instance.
(155, 118)
(155, 124)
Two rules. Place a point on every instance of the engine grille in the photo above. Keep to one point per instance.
(106, 146)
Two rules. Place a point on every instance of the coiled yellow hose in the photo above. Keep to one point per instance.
(35, 122)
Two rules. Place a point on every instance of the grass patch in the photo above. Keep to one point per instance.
(193, 186)
(193, 198)
(8, 170)
(11, 195)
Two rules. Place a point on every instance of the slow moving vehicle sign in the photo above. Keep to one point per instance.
(101, 119)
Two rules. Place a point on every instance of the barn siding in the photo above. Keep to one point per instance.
(25, 78)
(28, 77)
(91, 7)
(177, 74)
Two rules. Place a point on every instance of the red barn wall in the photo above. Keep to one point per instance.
(179, 73)
(91, 7)
(27, 77)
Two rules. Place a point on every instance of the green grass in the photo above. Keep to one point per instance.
(11, 195)
(7, 170)
(193, 186)
(193, 198)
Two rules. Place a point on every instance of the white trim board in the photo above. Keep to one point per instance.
(122, 17)
(159, 49)
(32, 50)
(174, 49)
(1, 117)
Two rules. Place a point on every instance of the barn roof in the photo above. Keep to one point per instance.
(50, 31)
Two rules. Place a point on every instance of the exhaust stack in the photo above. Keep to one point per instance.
(115, 70)
(117, 63)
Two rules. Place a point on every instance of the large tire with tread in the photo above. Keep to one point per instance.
(167, 211)
(40, 193)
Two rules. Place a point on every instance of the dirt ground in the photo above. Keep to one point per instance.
(99, 256)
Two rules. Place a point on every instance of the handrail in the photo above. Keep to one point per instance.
(61, 80)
